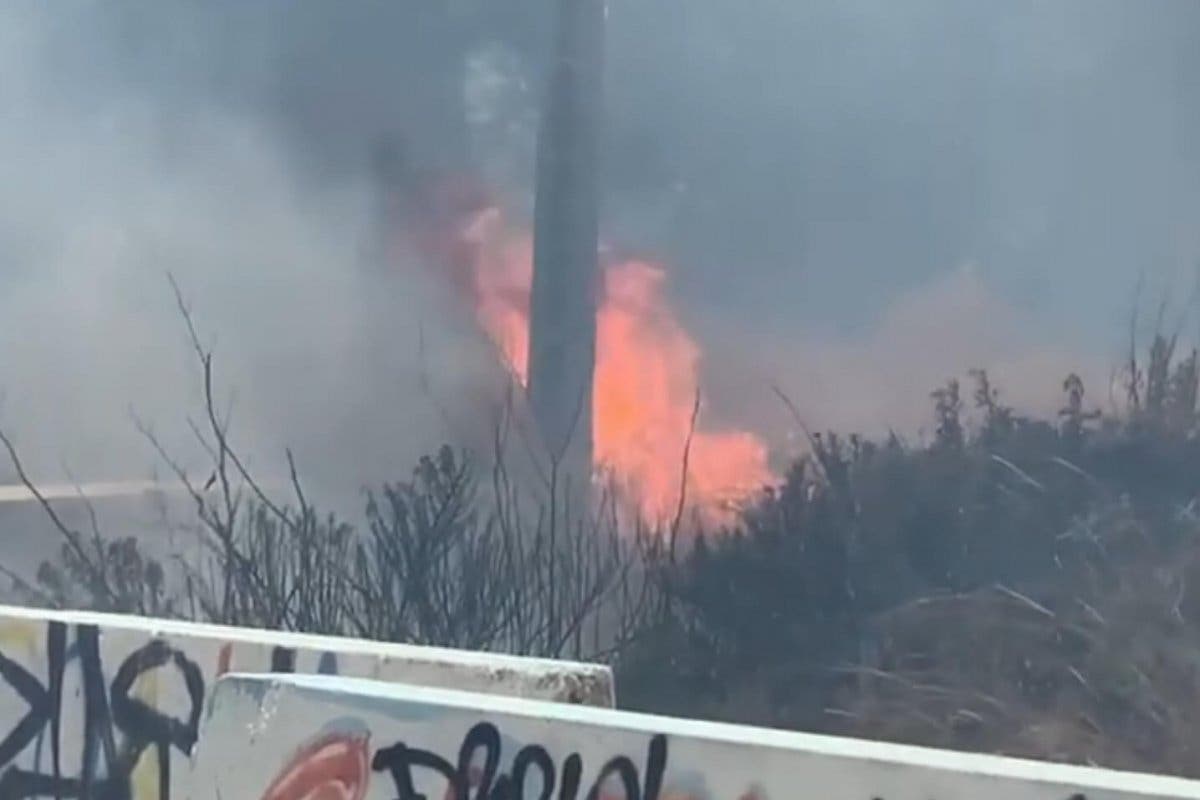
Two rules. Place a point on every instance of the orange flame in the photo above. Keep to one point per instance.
(646, 379)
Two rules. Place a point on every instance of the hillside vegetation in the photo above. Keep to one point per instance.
(1011, 584)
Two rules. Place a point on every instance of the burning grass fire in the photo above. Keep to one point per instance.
(645, 431)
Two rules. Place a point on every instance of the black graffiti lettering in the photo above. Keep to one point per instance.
(16, 784)
(146, 723)
(572, 768)
(488, 784)
(328, 665)
(398, 760)
(35, 695)
(96, 715)
(117, 727)
(56, 657)
(483, 736)
(533, 755)
(656, 766)
(146, 726)
(283, 659)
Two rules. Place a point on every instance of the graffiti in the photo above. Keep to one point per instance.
(283, 659)
(224, 659)
(109, 709)
(333, 766)
(118, 726)
(328, 665)
(487, 781)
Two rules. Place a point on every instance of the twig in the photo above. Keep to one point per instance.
(1025, 477)
(683, 474)
(1024, 600)
(799, 420)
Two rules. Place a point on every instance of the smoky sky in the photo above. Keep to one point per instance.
(824, 154)
(839, 153)
(811, 172)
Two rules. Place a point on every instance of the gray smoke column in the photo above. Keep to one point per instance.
(562, 340)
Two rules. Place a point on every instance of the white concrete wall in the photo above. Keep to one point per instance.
(107, 707)
(322, 738)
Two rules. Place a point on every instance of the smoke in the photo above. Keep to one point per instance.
(880, 381)
(814, 174)
(107, 187)
(840, 154)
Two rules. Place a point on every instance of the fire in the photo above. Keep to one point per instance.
(502, 273)
(646, 379)
(645, 397)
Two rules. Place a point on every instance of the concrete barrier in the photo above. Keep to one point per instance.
(321, 738)
(93, 704)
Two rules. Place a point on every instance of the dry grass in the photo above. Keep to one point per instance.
(1102, 668)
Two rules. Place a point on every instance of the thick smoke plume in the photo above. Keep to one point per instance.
(814, 176)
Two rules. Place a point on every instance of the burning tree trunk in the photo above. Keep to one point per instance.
(562, 342)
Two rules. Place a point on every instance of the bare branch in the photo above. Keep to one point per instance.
(73, 538)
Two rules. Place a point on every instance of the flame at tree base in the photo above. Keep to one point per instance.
(645, 395)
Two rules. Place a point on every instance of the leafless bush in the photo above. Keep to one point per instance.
(92, 570)
(455, 555)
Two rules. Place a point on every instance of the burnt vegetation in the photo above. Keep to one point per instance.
(1005, 584)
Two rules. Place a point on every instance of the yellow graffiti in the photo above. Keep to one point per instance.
(23, 634)
(144, 778)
